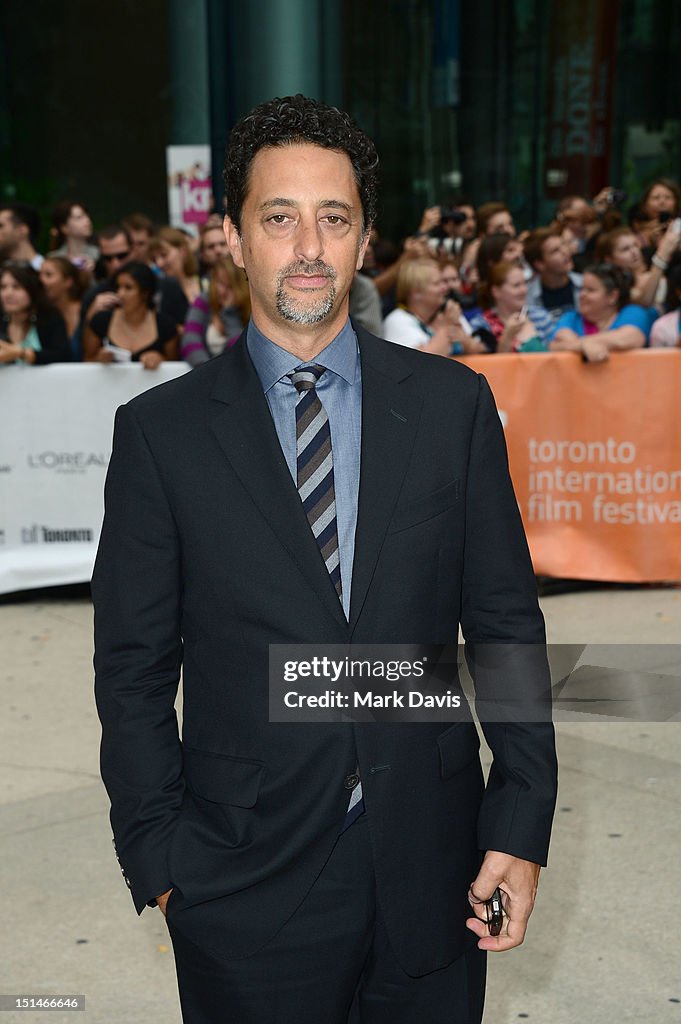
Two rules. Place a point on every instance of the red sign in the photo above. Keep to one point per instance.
(581, 64)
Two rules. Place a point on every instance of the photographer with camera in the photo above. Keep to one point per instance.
(451, 228)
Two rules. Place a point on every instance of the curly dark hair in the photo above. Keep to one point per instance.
(292, 120)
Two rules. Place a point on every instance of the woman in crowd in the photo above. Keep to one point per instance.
(65, 286)
(660, 203)
(217, 317)
(662, 196)
(172, 252)
(509, 324)
(70, 235)
(666, 332)
(606, 321)
(494, 249)
(425, 318)
(451, 279)
(622, 248)
(133, 331)
(492, 219)
(31, 332)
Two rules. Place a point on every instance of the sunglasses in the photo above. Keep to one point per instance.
(116, 256)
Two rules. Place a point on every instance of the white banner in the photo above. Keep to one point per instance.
(56, 425)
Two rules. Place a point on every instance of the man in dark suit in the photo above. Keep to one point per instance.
(314, 485)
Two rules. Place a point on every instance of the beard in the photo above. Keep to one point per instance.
(310, 310)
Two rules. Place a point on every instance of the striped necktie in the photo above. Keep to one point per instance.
(316, 489)
(315, 468)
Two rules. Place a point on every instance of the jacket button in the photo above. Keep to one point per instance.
(351, 781)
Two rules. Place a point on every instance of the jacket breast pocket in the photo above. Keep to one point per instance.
(425, 507)
(222, 779)
(458, 746)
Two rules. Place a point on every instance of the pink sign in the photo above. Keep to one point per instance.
(195, 200)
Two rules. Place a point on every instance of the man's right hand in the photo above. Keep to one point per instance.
(162, 901)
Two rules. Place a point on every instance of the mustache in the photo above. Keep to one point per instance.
(317, 268)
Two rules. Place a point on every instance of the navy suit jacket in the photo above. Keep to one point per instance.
(206, 558)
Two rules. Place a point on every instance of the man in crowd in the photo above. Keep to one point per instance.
(578, 222)
(459, 223)
(212, 246)
(19, 229)
(555, 286)
(140, 230)
(115, 247)
(314, 484)
(452, 227)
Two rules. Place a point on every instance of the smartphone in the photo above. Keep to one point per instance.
(523, 312)
(495, 912)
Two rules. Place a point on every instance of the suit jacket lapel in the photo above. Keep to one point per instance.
(243, 425)
(390, 413)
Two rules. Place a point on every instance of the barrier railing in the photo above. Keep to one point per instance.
(594, 450)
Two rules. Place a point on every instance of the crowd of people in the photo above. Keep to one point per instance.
(595, 280)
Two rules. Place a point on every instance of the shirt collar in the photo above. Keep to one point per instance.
(272, 362)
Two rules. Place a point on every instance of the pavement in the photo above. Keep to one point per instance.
(602, 946)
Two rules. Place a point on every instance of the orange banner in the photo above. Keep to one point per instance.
(595, 456)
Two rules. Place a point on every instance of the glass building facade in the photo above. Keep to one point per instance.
(519, 100)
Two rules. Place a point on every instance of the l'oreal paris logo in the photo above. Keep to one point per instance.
(67, 462)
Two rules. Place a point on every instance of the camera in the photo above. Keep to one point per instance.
(449, 213)
(616, 196)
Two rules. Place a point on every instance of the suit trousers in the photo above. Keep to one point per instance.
(330, 963)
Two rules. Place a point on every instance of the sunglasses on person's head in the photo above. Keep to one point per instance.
(116, 256)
